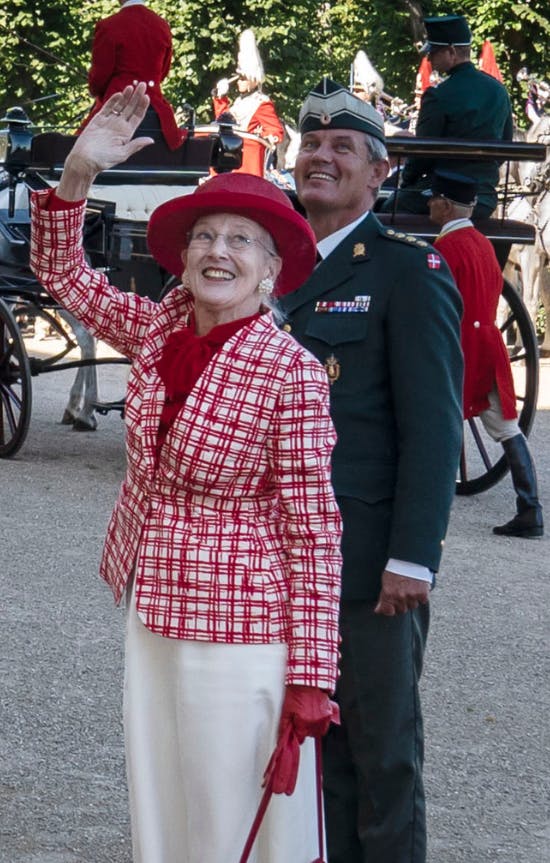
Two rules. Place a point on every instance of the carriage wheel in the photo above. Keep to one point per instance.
(15, 385)
(482, 463)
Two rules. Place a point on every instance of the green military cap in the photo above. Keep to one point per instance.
(330, 106)
(446, 30)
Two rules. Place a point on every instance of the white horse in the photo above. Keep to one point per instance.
(83, 395)
(528, 266)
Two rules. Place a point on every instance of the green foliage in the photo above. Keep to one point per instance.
(45, 47)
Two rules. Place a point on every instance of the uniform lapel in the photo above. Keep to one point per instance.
(338, 268)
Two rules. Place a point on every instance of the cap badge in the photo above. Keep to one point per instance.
(325, 119)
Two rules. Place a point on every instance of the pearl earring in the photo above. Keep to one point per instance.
(266, 286)
(185, 283)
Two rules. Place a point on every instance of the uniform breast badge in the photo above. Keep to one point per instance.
(358, 305)
(332, 367)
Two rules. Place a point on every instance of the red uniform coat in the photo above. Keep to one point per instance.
(233, 531)
(473, 263)
(134, 45)
(254, 113)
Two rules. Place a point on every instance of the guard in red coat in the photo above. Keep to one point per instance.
(135, 45)
(254, 112)
(488, 381)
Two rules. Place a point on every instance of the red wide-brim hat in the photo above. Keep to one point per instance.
(246, 195)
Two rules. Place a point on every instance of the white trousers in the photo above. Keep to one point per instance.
(494, 423)
(200, 723)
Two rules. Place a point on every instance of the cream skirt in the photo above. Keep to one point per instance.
(200, 723)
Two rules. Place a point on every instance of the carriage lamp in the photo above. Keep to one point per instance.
(17, 139)
(228, 149)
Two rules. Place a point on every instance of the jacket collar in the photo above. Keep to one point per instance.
(338, 267)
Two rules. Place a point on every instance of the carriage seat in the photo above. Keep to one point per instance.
(147, 179)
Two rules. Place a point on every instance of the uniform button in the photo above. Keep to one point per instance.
(151, 83)
(477, 325)
(135, 82)
(287, 328)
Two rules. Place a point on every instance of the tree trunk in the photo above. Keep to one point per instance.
(414, 8)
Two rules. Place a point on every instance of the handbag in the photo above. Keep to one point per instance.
(266, 797)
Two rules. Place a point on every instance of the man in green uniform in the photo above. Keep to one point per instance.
(467, 104)
(382, 313)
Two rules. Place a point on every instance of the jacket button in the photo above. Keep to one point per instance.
(287, 328)
(477, 325)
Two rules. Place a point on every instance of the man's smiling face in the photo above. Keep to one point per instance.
(335, 175)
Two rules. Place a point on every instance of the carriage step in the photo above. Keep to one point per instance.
(103, 408)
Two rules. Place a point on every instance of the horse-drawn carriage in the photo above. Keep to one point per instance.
(116, 241)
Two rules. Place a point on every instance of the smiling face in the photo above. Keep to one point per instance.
(223, 280)
(244, 85)
(335, 178)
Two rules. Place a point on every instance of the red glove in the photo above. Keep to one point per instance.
(282, 769)
(309, 710)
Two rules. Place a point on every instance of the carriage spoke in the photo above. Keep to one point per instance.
(479, 443)
(463, 469)
(518, 357)
(7, 396)
(507, 323)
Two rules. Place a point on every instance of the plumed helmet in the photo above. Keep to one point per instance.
(365, 76)
(249, 62)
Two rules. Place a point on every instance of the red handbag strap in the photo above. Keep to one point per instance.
(319, 784)
(266, 797)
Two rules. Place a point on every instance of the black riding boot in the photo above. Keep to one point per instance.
(528, 521)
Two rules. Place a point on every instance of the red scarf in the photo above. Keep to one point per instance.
(184, 358)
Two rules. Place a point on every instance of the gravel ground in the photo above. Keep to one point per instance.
(62, 784)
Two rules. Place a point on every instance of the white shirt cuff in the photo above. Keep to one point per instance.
(410, 570)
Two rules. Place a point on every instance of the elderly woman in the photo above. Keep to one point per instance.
(225, 536)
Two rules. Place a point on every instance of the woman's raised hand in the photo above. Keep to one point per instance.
(106, 141)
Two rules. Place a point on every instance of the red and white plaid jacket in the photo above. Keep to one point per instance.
(234, 534)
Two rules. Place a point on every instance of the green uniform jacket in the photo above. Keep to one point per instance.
(396, 393)
(468, 104)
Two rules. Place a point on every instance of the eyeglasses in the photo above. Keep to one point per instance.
(235, 242)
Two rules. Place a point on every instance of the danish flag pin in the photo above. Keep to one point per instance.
(434, 261)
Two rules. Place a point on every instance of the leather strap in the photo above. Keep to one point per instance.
(266, 797)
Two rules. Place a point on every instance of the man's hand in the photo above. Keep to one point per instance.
(400, 594)
(105, 141)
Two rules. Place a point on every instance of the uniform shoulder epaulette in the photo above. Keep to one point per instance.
(401, 236)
